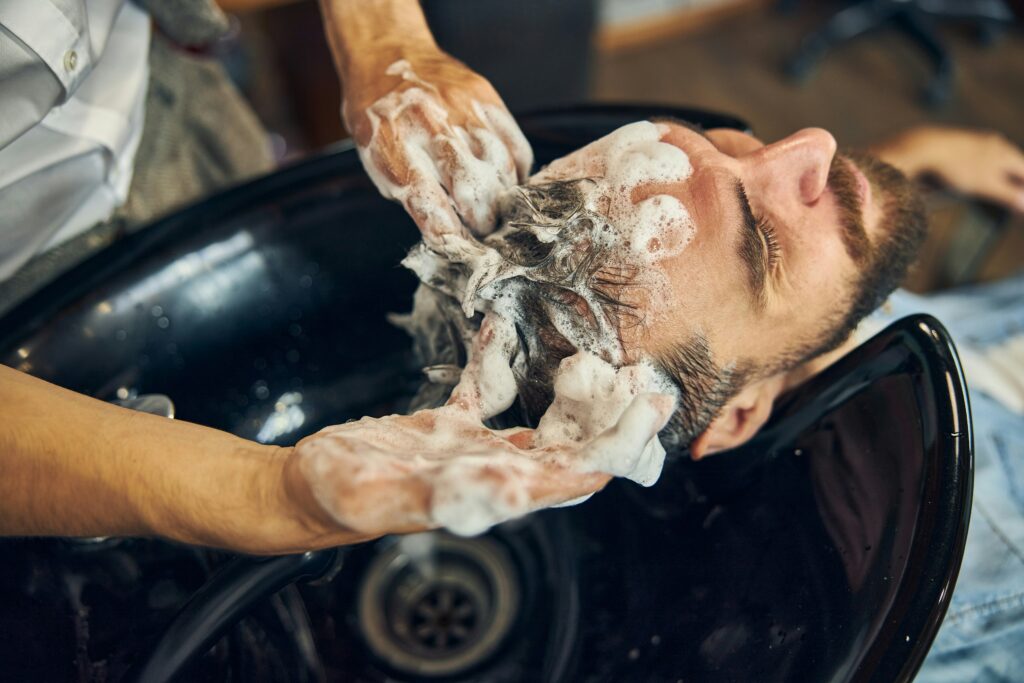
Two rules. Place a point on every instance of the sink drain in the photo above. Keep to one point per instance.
(441, 607)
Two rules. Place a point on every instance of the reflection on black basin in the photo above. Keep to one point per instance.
(825, 550)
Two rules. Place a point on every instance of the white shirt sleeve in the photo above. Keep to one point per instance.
(45, 53)
(73, 76)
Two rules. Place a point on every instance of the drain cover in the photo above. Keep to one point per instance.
(438, 605)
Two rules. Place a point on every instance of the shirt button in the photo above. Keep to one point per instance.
(70, 60)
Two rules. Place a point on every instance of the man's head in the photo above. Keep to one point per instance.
(734, 262)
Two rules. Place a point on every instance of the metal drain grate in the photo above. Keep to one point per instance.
(441, 610)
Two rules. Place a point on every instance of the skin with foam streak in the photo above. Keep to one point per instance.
(454, 471)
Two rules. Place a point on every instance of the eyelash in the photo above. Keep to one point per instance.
(771, 240)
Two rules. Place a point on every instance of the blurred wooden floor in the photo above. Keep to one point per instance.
(863, 91)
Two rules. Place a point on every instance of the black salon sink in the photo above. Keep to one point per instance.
(826, 550)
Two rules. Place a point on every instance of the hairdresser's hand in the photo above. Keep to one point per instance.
(444, 468)
(437, 137)
(981, 164)
(435, 468)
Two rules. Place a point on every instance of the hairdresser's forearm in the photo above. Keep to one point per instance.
(367, 35)
(76, 466)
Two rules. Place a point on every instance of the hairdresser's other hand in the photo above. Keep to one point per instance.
(435, 468)
(444, 468)
(436, 136)
(982, 164)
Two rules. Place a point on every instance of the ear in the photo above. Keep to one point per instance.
(740, 418)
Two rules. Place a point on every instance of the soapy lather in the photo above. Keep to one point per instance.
(443, 467)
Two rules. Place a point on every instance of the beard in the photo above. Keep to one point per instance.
(882, 260)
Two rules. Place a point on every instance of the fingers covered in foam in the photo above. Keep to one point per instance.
(431, 208)
(505, 127)
(488, 386)
(423, 136)
(477, 170)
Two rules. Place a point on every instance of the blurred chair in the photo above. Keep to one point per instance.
(916, 18)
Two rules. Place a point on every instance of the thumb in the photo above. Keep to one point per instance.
(619, 449)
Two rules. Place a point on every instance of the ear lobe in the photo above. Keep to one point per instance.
(739, 420)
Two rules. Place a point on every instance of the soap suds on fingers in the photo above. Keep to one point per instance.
(451, 175)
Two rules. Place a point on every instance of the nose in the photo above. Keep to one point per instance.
(799, 163)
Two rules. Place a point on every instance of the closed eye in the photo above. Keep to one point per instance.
(771, 241)
(754, 249)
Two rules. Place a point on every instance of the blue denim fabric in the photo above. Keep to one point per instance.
(982, 637)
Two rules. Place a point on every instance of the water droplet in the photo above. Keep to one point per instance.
(156, 311)
(292, 356)
(120, 335)
(634, 654)
(295, 329)
(305, 281)
(163, 322)
(260, 390)
(655, 639)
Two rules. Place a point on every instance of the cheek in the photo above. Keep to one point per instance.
(817, 270)
(815, 290)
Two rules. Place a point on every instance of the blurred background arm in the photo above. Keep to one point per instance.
(976, 163)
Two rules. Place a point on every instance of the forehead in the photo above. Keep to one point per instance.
(617, 170)
(638, 145)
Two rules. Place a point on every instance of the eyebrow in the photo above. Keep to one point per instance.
(751, 251)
